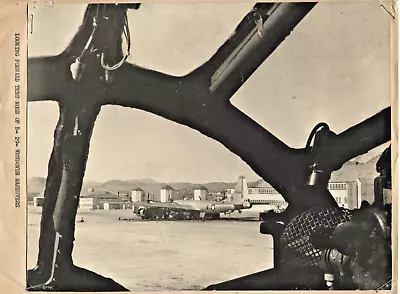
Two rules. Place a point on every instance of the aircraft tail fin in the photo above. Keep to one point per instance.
(241, 190)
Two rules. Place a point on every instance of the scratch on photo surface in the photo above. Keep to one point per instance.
(31, 24)
(259, 25)
(389, 12)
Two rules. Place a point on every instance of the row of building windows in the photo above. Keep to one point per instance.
(339, 200)
(332, 186)
(256, 191)
(263, 191)
(336, 186)
(86, 205)
(112, 199)
(267, 201)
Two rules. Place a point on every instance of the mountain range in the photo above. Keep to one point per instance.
(350, 171)
(150, 186)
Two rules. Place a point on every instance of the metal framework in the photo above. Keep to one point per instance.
(199, 100)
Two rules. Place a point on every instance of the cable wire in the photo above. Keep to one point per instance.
(314, 131)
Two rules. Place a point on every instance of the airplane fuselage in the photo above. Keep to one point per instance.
(193, 209)
(214, 207)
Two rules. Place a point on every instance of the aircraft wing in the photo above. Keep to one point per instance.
(175, 206)
(242, 205)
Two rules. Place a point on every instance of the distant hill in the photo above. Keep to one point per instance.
(143, 181)
(36, 185)
(151, 187)
(353, 170)
(350, 171)
(91, 183)
(186, 189)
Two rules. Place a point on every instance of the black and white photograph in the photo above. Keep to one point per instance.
(220, 146)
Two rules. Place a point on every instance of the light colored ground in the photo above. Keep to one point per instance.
(163, 255)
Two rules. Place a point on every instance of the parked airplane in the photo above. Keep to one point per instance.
(195, 209)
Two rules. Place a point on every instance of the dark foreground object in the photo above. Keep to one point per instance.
(72, 278)
(310, 278)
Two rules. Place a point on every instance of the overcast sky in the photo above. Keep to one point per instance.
(334, 67)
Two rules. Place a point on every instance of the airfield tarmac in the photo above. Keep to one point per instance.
(164, 255)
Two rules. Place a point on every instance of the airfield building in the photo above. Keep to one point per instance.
(166, 194)
(137, 195)
(345, 194)
(200, 193)
(85, 204)
(30, 198)
(261, 194)
(38, 200)
(114, 200)
(348, 194)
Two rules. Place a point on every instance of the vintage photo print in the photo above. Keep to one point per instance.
(209, 146)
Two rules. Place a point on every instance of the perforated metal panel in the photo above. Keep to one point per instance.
(297, 251)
